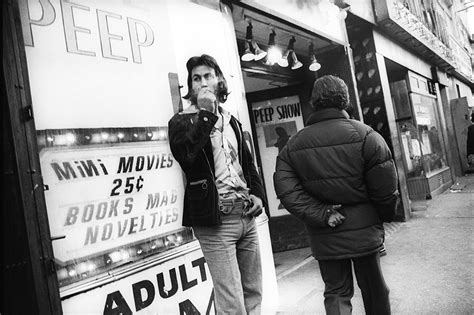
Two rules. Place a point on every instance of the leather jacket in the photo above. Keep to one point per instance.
(189, 138)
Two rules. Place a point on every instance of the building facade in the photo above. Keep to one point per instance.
(414, 72)
(94, 196)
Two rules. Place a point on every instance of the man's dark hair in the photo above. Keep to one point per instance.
(206, 60)
(330, 92)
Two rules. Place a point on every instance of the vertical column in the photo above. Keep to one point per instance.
(394, 137)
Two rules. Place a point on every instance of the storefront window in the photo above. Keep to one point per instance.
(429, 132)
(411, 148)
(419, 127)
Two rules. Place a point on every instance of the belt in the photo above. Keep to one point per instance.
(227, 206)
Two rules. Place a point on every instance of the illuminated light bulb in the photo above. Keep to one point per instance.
(70, 138)
(149, 135)
(82, 268)
(120, 135)
(315, 65)
(96, 138)
(104, 135)
(125, 255)
(72, 273)
(91, 267)
(115, 256)
(139, 251)
(135, 135)
(162, 135)
(274, 55)
(50, 138)
(62, 274)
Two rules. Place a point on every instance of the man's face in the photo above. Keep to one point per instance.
(203, 77)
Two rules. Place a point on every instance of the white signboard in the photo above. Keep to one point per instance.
(179, 286)
(104, 197)
(98, 63)
(276, 121)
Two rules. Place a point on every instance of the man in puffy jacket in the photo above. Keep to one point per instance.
(337, 175)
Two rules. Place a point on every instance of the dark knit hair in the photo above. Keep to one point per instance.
(206, 60)
(330, 91)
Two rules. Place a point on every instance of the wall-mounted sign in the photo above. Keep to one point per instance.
(101, 198)
(179, 286)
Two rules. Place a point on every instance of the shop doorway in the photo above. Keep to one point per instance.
(280, 63)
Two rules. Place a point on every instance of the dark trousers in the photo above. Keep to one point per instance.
(339, 285)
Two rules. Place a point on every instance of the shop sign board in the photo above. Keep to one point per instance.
(103, 197)
(179, 286)
(276, 121)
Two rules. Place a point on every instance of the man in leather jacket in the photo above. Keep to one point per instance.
(223, 192)
(338, 176)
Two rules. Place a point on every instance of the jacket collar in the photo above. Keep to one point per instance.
(326, 114)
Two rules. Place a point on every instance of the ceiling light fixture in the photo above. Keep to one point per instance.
(274, 53)
(315, 65)
(248, 55)
(283, 62)
(296, 64)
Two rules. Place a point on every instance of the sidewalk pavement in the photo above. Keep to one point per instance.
(428, 266)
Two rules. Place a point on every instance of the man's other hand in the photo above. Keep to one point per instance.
(257, 207)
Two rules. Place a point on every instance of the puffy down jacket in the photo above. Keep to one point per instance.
(336, 160)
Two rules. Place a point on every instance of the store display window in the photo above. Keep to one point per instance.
(429, 132)
(419, 126)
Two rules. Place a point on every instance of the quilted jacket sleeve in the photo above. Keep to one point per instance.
(188, 133)
(380, 176)
(293, 195)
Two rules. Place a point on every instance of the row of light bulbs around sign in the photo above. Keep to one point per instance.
(97, 265)
(254, 52)
(71, 138)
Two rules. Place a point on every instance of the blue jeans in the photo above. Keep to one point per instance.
(232, 253)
